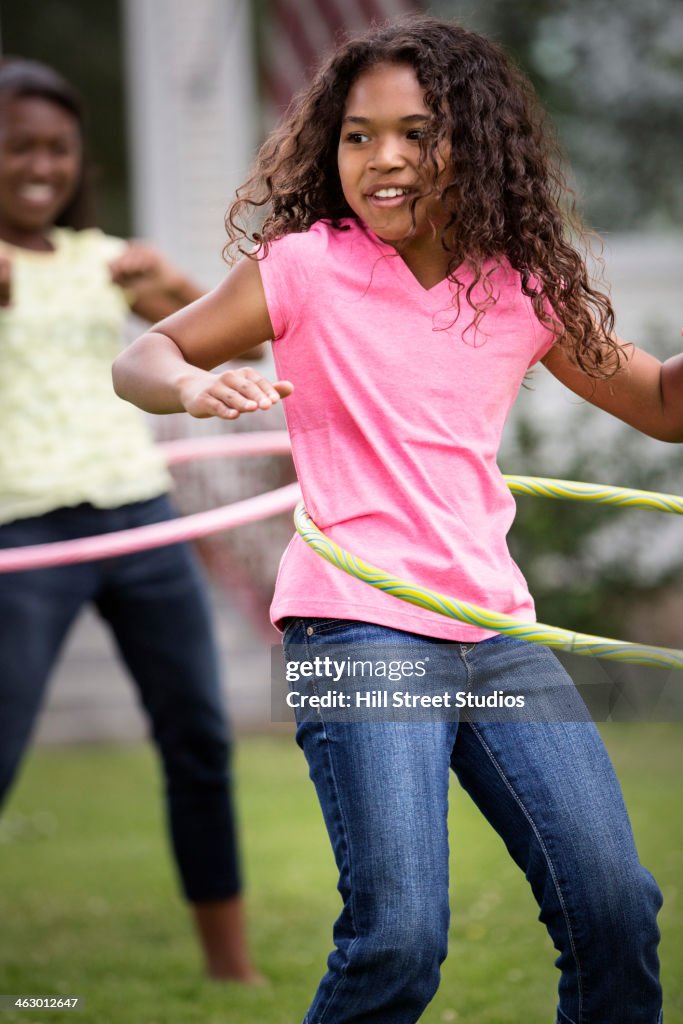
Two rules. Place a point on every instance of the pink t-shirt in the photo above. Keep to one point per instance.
(395, 423)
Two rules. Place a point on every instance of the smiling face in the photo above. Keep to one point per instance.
(379, 159)
(41, 157)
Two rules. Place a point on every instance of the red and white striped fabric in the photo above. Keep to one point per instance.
(297, 33)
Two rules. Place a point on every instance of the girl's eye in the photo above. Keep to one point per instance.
(356, 137)
(63, 148)
(19, 146)
(415, 134)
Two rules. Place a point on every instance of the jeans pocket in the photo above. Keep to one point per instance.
(329, 627)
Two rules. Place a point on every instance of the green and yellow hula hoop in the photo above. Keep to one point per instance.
(535, 632)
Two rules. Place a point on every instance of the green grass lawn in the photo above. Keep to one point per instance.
(88, 903)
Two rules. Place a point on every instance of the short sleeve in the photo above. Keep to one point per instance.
(289, 272)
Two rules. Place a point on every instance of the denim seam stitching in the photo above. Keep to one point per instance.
(345, 831)
(464, 651)
(548, 859)
(329, 626)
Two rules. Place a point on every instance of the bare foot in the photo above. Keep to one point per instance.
(251, 977)
(222, 933)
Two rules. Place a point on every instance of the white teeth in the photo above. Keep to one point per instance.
(390, 193)
(37, 193)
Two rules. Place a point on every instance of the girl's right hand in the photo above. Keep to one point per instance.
(5, 281)
(229, 394)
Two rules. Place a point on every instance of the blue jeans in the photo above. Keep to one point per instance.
(547, 788)
(155, 605)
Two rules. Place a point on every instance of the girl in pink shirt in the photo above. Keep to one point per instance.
(414, 261)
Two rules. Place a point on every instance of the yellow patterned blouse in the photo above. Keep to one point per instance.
(65, 437)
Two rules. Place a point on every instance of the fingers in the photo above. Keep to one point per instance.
(137, 260)
(208, 404)
(235, 392)
(252, 384)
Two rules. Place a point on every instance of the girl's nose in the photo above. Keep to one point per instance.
(387, 155)
(42, 163)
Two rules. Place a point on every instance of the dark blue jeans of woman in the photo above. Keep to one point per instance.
(546, 786)
(155, 605)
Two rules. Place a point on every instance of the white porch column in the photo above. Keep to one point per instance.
(192, 118)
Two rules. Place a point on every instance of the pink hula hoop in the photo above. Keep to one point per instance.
(126, 542)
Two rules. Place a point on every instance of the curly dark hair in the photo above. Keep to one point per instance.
(27, 79)
(504, 194)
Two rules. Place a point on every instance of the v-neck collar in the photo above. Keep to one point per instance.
(402, 267)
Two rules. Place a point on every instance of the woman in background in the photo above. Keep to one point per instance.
(75, 462)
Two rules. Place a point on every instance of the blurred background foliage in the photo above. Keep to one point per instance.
(611, 76)
(590, 567)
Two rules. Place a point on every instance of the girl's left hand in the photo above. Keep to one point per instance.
(156, 287)
(142, 264)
